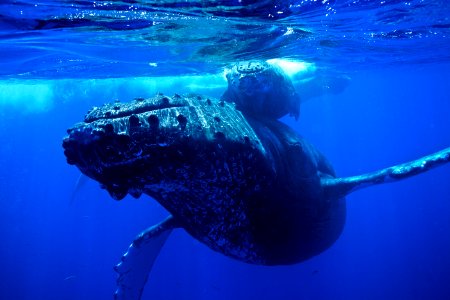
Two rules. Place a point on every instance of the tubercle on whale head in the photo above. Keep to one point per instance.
(127, 146)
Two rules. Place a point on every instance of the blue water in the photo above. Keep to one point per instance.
(59, 58)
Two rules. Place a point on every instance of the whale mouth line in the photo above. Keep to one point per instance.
(118, 110)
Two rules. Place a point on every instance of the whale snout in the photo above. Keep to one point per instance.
(126, 146)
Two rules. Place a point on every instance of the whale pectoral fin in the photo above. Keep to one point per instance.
(339, 187)
(137, 262)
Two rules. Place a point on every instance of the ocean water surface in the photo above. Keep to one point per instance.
(374, 79)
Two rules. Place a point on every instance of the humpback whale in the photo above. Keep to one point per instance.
(260, 88)
(248, 187)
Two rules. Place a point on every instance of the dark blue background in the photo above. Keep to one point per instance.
(396, 243)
